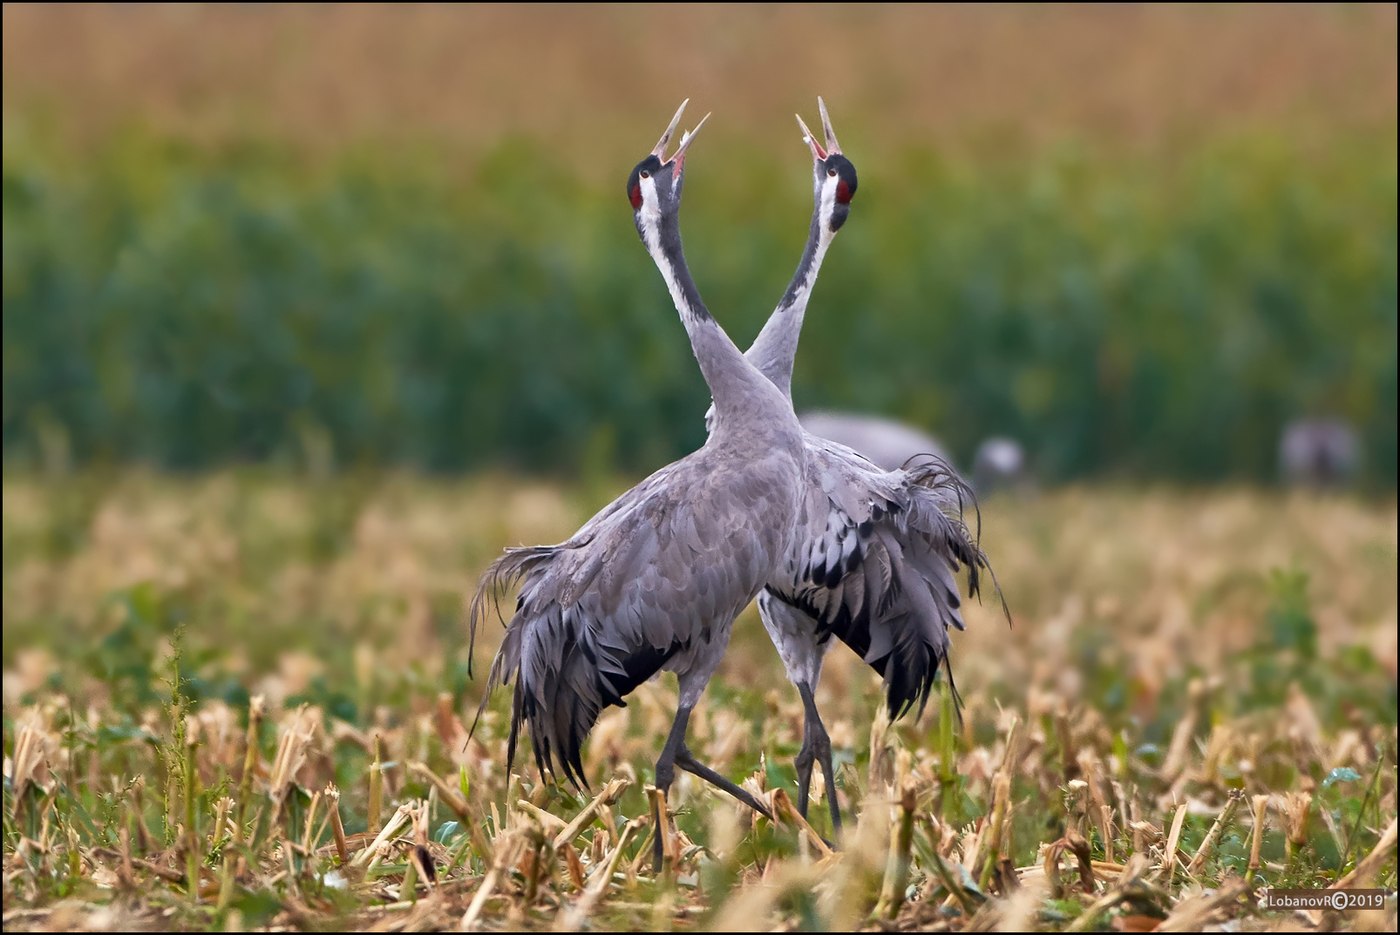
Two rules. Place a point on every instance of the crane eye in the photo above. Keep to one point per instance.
(831, 173)
(645, 174)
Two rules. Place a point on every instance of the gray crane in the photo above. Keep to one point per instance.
(1000, 464)
(1321, 452)
(875, 553)
(889, 444)
(654, 581)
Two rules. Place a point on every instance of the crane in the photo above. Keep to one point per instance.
(654, 581)
(1321, 452)
(887, 443)
(874, 556)
(1000, 463)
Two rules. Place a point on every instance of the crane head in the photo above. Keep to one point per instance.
(833, 176)
(654, 187)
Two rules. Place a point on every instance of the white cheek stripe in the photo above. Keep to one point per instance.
(828, 207)
(824, 238)
(651, 231)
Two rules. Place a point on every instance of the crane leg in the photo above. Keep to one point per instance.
(816, 748)
(687, 761)
(665, 772)
(806, 756)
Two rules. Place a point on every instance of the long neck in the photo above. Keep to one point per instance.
(742, 395)
(775, 348)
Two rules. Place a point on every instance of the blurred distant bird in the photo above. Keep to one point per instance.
(1322, 452)
(654, 581)
(875, 553)
(1000, 463)
(890, 444)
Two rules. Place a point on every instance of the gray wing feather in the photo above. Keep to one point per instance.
(874, 563)
(652, 581)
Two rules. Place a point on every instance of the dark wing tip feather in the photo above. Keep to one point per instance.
(953, 689)
(933, 473)
(914, 685)
(910, 673)
(500, 576)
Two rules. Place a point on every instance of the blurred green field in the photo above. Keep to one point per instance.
(1168, 649)
(1137, 278)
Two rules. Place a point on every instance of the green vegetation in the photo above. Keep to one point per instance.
(1175, 658)
(1139, 240)
(186, 306)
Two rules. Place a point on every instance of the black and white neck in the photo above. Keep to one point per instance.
(775, 349)
(742, 395)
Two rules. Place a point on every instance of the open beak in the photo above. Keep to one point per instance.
(818, 151)
(660, 150)
(678, 157)
(686, 139)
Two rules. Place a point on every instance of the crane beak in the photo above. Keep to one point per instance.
(811, 140)
(678, 157)
(660, 150)
(832, 147)
(820, 152)
(688, 137)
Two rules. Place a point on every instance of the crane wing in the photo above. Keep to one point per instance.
(652, 581)
(874, 563)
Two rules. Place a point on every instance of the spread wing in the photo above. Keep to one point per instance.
(875, 564)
